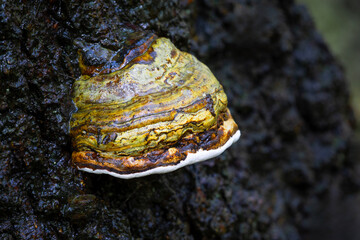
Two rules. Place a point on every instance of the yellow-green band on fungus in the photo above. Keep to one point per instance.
(156, 112)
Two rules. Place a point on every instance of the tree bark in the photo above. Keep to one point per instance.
(285, 89)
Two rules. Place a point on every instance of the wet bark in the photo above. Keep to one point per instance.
(286, 91)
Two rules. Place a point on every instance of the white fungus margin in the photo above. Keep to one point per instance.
(191, 158)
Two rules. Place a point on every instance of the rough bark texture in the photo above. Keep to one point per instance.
(286, 92)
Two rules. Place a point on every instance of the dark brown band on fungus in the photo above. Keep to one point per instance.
(213, 138)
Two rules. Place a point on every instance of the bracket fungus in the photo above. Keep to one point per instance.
(146, 109)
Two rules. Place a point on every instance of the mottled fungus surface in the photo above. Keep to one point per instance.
(155, 111)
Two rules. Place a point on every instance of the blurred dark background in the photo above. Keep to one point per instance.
(338, 21)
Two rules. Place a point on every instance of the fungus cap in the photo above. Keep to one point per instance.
(161, 110)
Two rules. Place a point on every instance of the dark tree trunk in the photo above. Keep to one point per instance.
(286, 91)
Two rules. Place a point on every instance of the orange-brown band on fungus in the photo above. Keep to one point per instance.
(163, 110)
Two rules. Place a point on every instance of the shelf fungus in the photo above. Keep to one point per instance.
(146, 109)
